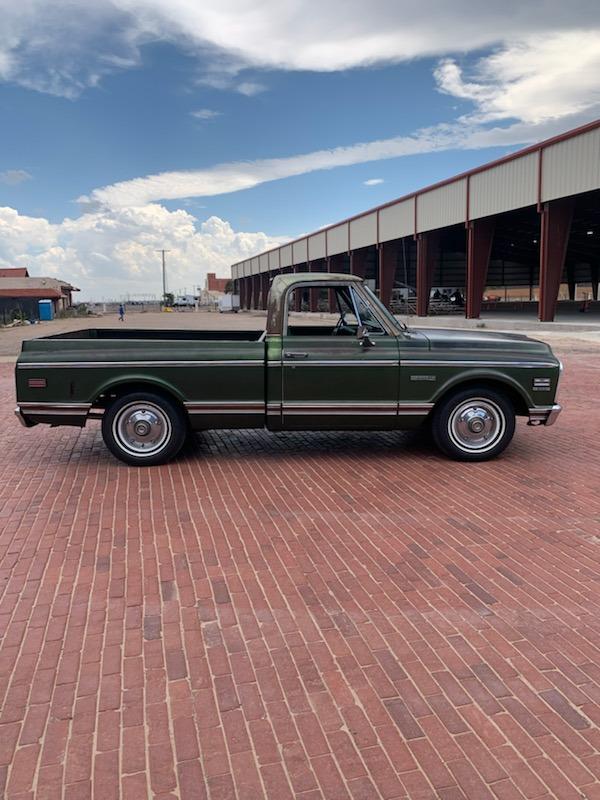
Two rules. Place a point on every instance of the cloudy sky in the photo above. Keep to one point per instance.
(219, 128)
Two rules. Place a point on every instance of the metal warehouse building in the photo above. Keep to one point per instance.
(530, 219)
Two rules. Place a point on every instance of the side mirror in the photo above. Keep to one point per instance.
(362, 334)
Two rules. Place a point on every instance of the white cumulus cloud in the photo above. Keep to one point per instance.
(111, 253)
(373, 182)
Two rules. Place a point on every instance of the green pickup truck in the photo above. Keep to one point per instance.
(366, 371)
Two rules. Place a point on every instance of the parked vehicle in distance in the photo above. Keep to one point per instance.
(229, 304)
(184, 301)
(365, 372)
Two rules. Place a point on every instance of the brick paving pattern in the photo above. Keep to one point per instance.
(302, 615)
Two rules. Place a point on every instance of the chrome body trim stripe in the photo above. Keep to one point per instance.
(316, 363)
(137, 364)
(518, 364)
(357, 409)
(225, 407)
(58, 409)
(342, 363)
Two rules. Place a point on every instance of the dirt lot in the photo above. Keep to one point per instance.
(302, 615)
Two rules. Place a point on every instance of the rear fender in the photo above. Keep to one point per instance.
(139, 382)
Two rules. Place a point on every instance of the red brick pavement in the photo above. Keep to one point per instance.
(303, 615)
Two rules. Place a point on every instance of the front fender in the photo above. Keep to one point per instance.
(488, 376)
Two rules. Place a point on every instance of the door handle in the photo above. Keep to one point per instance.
(295, 355)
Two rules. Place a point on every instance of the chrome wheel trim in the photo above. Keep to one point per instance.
(142, 429)
(476, 425)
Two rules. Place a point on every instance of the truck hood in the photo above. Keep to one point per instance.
(452, 339)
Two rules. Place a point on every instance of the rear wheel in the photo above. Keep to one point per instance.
(474, 424)
(144, 429)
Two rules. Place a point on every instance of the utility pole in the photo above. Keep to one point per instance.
(164, 271)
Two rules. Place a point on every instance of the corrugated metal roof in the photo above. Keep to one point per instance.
(569, 163)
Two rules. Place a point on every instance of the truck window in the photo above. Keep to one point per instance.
(336, 311)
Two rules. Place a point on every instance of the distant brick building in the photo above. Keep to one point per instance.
(214, 284)
(20, 292)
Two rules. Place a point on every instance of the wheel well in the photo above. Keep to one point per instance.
(516, 398)
(114, 392)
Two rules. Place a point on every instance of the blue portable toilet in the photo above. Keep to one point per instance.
(46, 310)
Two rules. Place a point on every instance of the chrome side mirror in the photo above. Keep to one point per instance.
(362, 334)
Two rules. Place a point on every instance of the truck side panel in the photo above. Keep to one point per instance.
(221, 384)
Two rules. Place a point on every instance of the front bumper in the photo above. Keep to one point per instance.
(545, 415)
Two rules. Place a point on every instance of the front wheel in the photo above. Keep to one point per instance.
(144, 429)
(474, 424)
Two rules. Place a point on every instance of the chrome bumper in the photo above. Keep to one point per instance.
(544, 416)
(24, 422)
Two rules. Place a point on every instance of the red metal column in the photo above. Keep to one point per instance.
(242, 292)
(331, 305)
(265, 281)
(556, 217)
(387, 271)
(358, 263)
(256, 292)
(297, 294)
(313, 294)
(480, 236)
(427, 253)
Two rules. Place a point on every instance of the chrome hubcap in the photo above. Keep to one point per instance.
(142, 428)
(476, 425)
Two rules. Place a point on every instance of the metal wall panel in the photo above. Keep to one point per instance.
(316, 246)
(337, 239)
(442, 207)
(502, 188)
(572, 166)
(285, 256)
(397, 220)
(274, 259)
(299, 252)
(363, 231)
(254, 266)
(264, 262)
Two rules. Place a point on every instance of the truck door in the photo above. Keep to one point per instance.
(334, 378)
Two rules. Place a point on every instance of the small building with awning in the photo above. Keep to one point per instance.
(20, 294)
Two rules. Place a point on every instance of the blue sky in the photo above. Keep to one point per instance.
(128, 135)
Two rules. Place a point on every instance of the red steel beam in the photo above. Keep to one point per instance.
(265, 279)
(555, 226)
(480, 236)
(427, 253)
(358, 263)
(387, 271)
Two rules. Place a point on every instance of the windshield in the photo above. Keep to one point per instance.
(382, 309)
